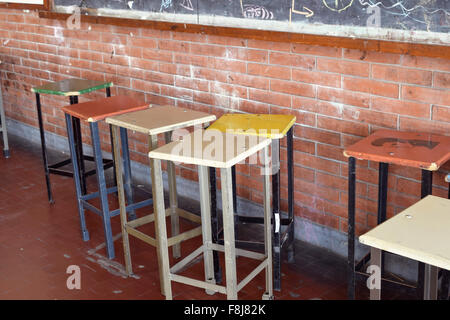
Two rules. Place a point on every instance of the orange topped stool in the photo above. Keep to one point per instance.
(93, 112)
(417, 150)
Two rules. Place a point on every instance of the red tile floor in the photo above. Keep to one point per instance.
(39, 241)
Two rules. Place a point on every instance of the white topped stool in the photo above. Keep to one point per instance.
(420, 233)
(212, 148)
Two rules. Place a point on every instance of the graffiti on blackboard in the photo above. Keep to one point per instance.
(337, 5)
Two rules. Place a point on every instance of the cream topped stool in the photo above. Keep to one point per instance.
(420, 233)
(153, 121)
(212, 148)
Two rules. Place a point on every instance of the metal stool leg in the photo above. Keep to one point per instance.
(76, 177)
(235, 213)
(276, 214)
(44, 148)
(383, 171)
(3, 128)
(351, 228)
(174, 218)
(126, 170)
(214, 223)
(160, 227)
(103, 193)
(268, 294)
(121, 195)
(228, 232)
(108, 94)
(79, 146)
(290, 172)
(205, 207)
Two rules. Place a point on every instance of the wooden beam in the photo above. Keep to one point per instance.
(415, 49)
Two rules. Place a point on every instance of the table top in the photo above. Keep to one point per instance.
(273, 126)
(420, 232)
(97, 110)
(160, 119)
(211, 148)
(413, 149)
(71, 87)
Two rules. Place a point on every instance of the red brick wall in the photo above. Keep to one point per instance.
(338, 96)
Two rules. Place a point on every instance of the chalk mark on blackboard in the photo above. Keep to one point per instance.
(187, 4)
(307, 13)
(338, 5)
(165, 4)
(254, 11)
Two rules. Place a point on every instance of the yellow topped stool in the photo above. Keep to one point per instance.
(274, 127)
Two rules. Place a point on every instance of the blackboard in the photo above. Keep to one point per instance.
(421, 21)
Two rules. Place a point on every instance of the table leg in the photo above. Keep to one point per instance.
(426, 189)
(431, 280)
(174, 218)
(103, 193)
(160, 226)
(121, 195)
(44, 148)
(290, 172)
(375, 285)
(276, 213)
(268, 294)
(205, 209)
(351, 227)
(76, 177)
(228, 233)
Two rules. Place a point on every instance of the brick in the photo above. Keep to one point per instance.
(371, 86)
(341, 66)
(343, 96)
(372, 56)
(434, 96)
(410, 124)
(227, 64)
(269, 71)
(414, 109)
(194, 84)
(331, 152)
(317, 163)
(269, 45)
(248, 81)
(278, 99)
(405, 75)
(315, 77)
(292, 88)
(253, 107)
(316, 50)
(438, 64)
(318, 135)
(441, 80)
(441, 113)
(291, 60)
(350, 127)
(317, 106)
(208, 50)
(382, 119)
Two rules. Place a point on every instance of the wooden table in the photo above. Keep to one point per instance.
(94, 112)
(153, 121)
(420, 232)
(71, 88)
(424, 151)
(275, 127)
(212, 148)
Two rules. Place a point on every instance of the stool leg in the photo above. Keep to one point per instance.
(383, 171)
(76, 177)
(290, 171)
(375, 260)
(160, 228)
(4, 132)
(228, 233)
(445, 275)
(268, 295)
(103, 193)
(121, 194)
(79, 146)
(108, 94)
(351, 228)
(214, 223)
(126, 170)
(205, 208)
(235, 213)
(426, 189)
(276, 213)
(431, 279)
(174, 218)
(44, 148)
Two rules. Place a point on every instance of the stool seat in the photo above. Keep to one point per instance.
(420, 232)
(196, 148)
(420, 150)
(273, 126)
(71, 87)
(97, 110)
(160, 119)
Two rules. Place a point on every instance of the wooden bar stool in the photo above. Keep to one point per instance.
(3, 128)
(212, 148)
(153, 121)
(421, 233)
(93, 112)
(71, 88)
(274, 127)
(424, 151)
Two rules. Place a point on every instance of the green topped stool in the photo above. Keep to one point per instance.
(274, 127)
(71, 88)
